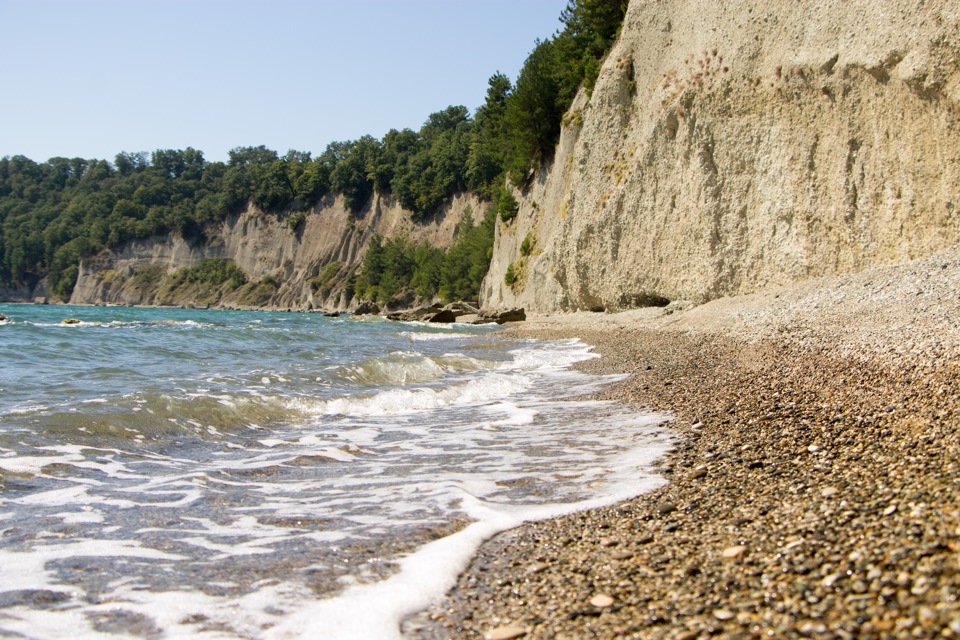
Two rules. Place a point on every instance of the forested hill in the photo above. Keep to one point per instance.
(53, 214)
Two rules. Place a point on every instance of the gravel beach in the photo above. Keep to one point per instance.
(813, 490)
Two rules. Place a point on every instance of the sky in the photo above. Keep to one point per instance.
(92, 78)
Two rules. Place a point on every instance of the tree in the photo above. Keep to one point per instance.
(273, 191)
(489, 144)
(251, 156)
(129, 163)
(351, 174)
(533, 112)
(468, 260)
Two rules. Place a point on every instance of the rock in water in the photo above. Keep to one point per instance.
(445, 315)
(500, 316)
(367, 309)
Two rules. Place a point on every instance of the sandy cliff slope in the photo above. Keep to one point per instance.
(734, 145)
(261, 245)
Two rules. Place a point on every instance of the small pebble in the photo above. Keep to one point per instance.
(831, 580)
(506, 632)
(666, 507)
(601, 600)
(732, 553)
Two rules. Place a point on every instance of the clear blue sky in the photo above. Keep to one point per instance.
(91, 78)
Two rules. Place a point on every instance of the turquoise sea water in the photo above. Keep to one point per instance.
(180, 473)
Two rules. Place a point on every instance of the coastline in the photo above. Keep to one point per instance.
(812, 491)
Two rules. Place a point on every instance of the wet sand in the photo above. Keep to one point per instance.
(814, 490)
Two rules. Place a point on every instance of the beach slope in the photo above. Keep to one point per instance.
(813, 489)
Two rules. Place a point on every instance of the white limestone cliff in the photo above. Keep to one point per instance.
(733, 145)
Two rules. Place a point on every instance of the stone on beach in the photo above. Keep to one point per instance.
(602, 600)
(507, 632)
(732, 553)
(666, 508)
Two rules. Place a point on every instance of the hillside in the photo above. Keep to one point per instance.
(304, 270)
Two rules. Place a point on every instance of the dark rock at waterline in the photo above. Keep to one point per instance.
(332, 314)
(445, 315)
(461, 308)
(500, 316)
(367, 309)
(422, 314)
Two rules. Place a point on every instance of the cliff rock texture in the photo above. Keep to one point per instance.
(309, 266)
(729, 146)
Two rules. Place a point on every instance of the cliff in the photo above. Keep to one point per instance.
(731, 146)
(307, 268)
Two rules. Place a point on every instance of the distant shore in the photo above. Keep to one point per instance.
(813, 490)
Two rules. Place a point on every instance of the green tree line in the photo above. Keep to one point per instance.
(54, 213)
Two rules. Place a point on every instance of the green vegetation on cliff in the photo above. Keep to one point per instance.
(394, 267)
(54, 213)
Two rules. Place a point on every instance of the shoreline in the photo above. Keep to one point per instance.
(813, 488)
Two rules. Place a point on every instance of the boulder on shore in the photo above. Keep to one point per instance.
(421, 314)
(444, 315)
(500, 316)
(367, 309)
(461, 308)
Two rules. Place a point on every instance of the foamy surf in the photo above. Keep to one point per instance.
(238, 482)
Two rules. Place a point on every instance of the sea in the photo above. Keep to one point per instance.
(183, 473)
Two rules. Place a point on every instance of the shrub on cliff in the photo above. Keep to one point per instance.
(215, 272)
(507, 207)
(528, 244)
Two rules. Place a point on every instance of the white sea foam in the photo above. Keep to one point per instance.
(419, 400)
(434, 337)
(28, 409)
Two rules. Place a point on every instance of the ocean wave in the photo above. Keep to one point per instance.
(73, 323)
(145, 418)
(416, 336)
(403, 368)
(405, 401)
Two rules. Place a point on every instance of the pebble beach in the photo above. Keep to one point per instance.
(812, 490)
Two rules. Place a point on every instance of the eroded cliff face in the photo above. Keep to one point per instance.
(733, 145)
(309, 267)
